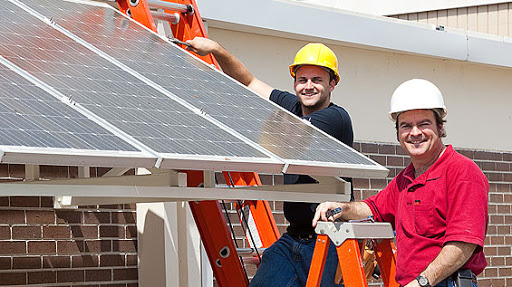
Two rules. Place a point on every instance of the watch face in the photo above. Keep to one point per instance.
(423, 281)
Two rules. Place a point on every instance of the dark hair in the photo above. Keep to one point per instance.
(439, 122)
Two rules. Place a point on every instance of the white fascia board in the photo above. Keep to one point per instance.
(394, 7)
(345, 28)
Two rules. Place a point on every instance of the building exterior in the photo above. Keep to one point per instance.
(469, 59)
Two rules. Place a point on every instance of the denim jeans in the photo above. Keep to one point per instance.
(286, 264)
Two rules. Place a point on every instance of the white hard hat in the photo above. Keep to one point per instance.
(416, 94)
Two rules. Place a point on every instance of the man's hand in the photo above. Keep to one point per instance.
(322, 209)
(203, 46)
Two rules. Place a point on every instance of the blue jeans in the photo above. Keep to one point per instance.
(286, 264)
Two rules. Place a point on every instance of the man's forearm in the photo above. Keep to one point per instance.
(451, 257)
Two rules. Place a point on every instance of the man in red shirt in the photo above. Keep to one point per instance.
(437, 205)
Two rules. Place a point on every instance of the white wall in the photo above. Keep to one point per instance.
(478, 97)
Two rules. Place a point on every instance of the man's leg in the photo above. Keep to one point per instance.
(277, 266)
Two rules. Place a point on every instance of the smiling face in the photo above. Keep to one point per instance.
(420, 136)
(313, 88)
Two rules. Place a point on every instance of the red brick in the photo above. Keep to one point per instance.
(488, 166)
(361, 182)
(497, 198)
(395, 161)
(132, 260)
(41, 247)
(503, 166)
(70, 247)
(26, 232)
(467, 153)
(377, 183)
(124, 245)
(46, 201)
(12, 247)
(507, 177)
(13, 278)
(17, 170)
(65, 216)
(5, 232)
(112, 260)
(4, 201)
(96, 217)
(131, 231)
(369, 148)
(497, 261)
(25, 201)
(356, 146)
(98, 275)
(278, 205)
(41, 277)
(40, 217)
(4, 170)
(387, 149)
(504, 250)
(380, 159)
(111, 206)
(26, 262)
(70, 276)
(126, 274)
(85, 260)
(56, 262)
(82, 231)
(504, 272)
(123, 217)
(486, 155)
(496, 219)
(5, 263)
(56, 232)
(54, 171)
(12, 217)
(368, 193)
(507, 157)
(498, 282)
(111, 231)
(490, 272)
(98, 246)
(504, 209)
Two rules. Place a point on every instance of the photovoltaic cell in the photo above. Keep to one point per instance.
(33, 118)
(198, 84)
(109, 92)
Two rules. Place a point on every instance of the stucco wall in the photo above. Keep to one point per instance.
(478, 97)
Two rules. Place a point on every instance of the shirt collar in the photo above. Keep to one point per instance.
(433, 172)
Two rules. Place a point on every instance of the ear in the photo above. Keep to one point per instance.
(332, 85)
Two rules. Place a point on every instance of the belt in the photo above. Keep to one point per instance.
(301, 236)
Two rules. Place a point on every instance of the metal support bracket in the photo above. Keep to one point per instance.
(338, 232)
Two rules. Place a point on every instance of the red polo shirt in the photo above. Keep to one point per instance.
(446, 203)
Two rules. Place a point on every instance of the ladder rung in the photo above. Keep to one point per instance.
(251, 260)
(171, 18)
(249, 251)
(171, 6)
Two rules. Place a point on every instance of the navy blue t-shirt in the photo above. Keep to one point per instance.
(333, 120)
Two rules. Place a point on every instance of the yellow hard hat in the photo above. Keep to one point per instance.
(316, 54)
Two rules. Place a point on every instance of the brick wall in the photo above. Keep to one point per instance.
(88, 246)
(96, 245)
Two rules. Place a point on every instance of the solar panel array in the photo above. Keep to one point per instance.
(155, 94)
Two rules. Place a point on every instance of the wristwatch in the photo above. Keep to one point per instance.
(423, 281)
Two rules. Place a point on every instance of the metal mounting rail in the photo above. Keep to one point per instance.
(171, 6)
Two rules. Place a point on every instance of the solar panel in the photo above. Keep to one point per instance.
(33, 121)
(153, 90)
(118, 97)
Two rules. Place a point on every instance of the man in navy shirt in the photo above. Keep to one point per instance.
(315, 73)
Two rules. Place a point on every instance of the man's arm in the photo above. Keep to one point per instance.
(349, 211)
(229, 64)
(452, 256)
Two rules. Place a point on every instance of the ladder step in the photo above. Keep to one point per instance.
(171, 6)
(249, 251)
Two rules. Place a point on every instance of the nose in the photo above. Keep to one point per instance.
(309, 84)
(415, 131)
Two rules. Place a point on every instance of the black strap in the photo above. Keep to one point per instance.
(464, 278)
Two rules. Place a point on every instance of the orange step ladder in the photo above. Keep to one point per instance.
(256, 215)
(345, 236)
